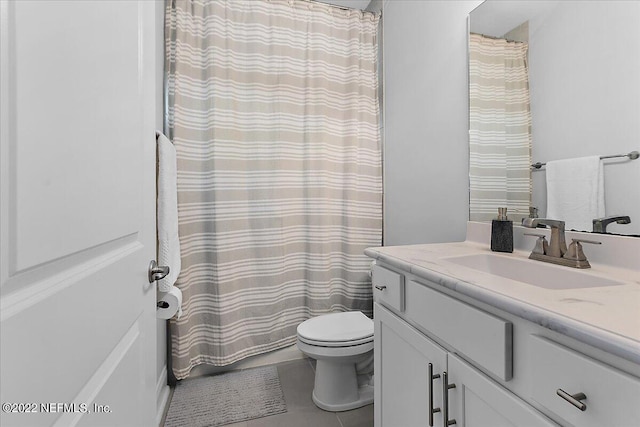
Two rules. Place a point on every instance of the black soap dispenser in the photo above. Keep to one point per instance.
(502, 232)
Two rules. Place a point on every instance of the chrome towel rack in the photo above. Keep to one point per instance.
(632, 156)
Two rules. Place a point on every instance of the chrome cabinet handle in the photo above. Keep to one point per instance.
(432, 410)
(157, 272)
(445, 400)
(380, 288)
(574, 399)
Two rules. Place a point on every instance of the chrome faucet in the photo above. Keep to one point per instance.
(556, 251)
(557, 243)
(600, 224)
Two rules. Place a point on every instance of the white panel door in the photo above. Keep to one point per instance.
(77, 213)
(477, 401)
(402, 386)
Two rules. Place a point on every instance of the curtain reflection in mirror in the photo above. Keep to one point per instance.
(499, 128)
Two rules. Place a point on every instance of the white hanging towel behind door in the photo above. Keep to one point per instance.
(168, 241)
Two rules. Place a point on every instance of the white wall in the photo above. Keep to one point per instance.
(585, 96)
(426, 121)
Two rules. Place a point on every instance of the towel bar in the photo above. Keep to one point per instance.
(632, 156)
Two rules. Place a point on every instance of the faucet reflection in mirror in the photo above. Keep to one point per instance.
(600, 224)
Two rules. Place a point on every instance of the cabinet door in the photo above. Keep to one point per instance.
(402, 384)
(477, 401)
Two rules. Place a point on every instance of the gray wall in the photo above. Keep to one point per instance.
(425, 121)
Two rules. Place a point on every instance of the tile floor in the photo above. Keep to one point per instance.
(296, 378)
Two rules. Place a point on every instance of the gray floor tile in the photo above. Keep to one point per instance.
(361, 417)
(298, 418)
(296, 378)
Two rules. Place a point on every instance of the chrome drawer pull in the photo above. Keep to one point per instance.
(380, 288)
(574, 399)
(432, 410)
(445, 400)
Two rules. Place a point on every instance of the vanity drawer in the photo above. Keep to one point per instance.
(482, 338)
(388, 287)
(611, 395)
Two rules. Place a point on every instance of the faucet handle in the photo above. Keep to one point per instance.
(575, 249)
(541, 246)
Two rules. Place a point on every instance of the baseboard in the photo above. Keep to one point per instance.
(162, 396)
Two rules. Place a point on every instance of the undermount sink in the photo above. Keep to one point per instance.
(534, 273)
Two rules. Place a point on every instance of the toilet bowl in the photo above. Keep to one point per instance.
(342, 344)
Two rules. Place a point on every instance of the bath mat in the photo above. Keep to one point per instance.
(228, 398)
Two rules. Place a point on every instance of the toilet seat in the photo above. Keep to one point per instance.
(342, 345)
(348, 329)
(336, 343)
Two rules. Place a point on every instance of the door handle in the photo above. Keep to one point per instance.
(432, 410)
(157, 272)
(574, 399)
(445, 400)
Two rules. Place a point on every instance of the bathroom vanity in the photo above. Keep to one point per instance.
(488, 339)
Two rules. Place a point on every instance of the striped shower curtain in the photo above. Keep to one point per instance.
(499, 128)
(273, 109)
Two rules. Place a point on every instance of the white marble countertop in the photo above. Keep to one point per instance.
(604, 317)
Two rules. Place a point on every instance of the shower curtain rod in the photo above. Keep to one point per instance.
(335, 6)
(632, 156)
(497, 38)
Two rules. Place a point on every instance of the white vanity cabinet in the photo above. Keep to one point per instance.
(431, 339)
(410, 371)
(409, 384)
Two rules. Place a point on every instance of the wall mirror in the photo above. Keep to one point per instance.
(549, 81)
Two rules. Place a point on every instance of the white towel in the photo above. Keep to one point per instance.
(168, 241)
(575, 191)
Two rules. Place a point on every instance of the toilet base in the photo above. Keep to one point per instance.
(365, 397)
(336, 386)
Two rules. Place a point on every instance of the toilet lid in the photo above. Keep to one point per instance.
(351, 327)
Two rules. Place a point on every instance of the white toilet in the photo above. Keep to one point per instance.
(342, 344)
